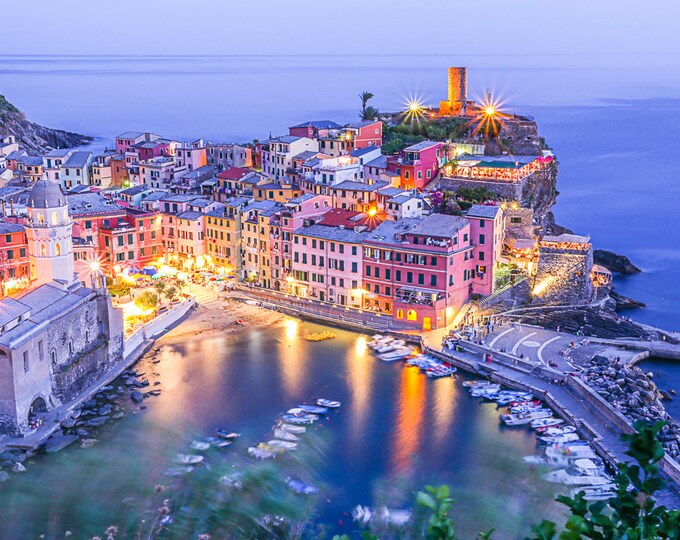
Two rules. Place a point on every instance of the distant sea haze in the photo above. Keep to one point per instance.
(612, 121)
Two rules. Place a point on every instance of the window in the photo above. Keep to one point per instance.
(433, 281)
(412, 315)
(400, 314)
(26, 366)
(433, 261)
(368, 271)
(58, 248)
(421, 279)
(481, 255)
(10, 254)
(388, 291)
(41, 352)
(354, 250)
(482, 223)
(354, 269)
(409, 277)
(398, 275)
(482, 238)
(387, 273)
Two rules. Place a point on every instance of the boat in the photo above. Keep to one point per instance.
(441, 371)
(293, 419)
(595, 493)
(301, 487)
(300, 413)
(188, 459)
(384, 340)
(397, 354)
(553, 431)
(476, 384)
(377, 337)
(234, 480)
(476, 391)
(571, 452)
(582, 472)
(382, 516)
(529, 403)
(524, 418)
(320, 336)
(328, 403)
(382, 348)
(199, 445)
(559, 439)
(505, 400)
(313, 409)
(285, 435)
(224, 434)
(222, 443)
(290, 428)
(178, 471)
(274, 449)
(524, 408)
(550, 421)
(286, 445)
(260, 453)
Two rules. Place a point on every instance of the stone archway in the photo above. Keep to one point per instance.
(38, 406)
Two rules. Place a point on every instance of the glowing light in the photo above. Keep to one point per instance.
(489, 116)
(515, 206)
(543, 285)
(414, 110)
(291, 329)
(290, 279)
(372, 212)
(360, 346)
(131, 310)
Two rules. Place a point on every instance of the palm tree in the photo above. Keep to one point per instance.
(370, 113)
(364, 97)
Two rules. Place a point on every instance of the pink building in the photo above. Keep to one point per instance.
(327, 264)
(486, 230)
(313, 129)
(418, 164)
(368, 133)
(420, 271)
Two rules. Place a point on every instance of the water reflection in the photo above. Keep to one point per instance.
(445, 396)
(360, 366)
(407, 431)
(292, 359)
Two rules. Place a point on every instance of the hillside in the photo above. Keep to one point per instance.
(32, 137)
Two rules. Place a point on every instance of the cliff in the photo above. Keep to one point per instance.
(35, 138)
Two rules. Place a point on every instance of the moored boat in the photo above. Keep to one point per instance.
(549, 421)
(524, 418)
(582, 472)
(187, 459)
(397, 354)
(290, 428)
(313, 409)
(328, 403)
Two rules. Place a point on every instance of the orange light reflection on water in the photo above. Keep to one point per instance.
(360, 366)
(406, 439)
(293, 359)
(445, 395)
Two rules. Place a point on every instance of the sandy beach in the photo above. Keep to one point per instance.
(218, 317)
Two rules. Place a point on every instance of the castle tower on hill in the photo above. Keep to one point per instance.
(49, 233)
(457, 103)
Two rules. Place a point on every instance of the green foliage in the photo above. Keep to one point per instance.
(170, 293)
(147, 300)
(159, 286)
(369, 113)
(479, 194)
(365, 97)
(396, 137)
(118, 288)
(633, 513)
(438, 502)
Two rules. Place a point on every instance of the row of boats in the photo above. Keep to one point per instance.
(389, 349)
(184, 463)
(574, 461)
(289, 428)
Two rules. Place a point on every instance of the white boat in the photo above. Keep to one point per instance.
(485, 389)
(546, 422)
(571, 452)
(384, 340)
(397, 354)
(286, 445)
(290, 428)
(525, 418)
(582, 472)
(313, 409)
(382, 348)
(524, 408)
(188, 459)
(259, 453)
(554, 431)
(595, 493)
(476, 384)
(293, 419)
(199, 445)
(178, 471)
(560, 439)
(285, 435)
(328, 403)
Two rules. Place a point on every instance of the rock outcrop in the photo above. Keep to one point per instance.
(35, 138)
(615, 263)
(633, 393)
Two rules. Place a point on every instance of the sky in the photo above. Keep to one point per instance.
(291, 27)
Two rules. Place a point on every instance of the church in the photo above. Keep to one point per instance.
(60, 336)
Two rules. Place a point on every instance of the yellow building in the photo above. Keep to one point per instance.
(223, 233)
(257, 220)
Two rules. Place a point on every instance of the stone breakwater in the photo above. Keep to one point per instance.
(633, 392)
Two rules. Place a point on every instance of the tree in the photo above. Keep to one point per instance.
(118, 288)
(159, 286)
(370, 113)
(170, 293)
(147, 300)
(364, 97)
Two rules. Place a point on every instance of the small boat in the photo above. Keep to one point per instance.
(229, 435)
(559, 439)
(178, 471)
(260, 453)
(285, 435)
(313, 409)
(290, 428)
(571, 452)
(582, 472)
(442, 371)
(476, 384)
(595, 493)
(397, 354)
(550, 421)
(188, 459)
(292, 419)
(504, 400)
(274, 449)
(382, 348)
(476, 391)
(553, 431)
(381, 516)
(301, 487)
(523, 408)
(234, 480)
(300, 413)
(320, 336)
(524, 418)
(286, 445)
(222, 444)
(199, 445)
(328, 403)
(384, 340)
(377, 337)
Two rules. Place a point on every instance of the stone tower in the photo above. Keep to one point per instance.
(456, 104)
(50, 235)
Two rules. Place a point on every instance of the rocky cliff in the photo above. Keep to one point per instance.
(32, 137)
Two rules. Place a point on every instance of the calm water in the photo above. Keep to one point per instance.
(612, 119)
(396, 431)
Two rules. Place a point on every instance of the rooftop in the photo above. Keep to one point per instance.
(349, 185)
(78, 159)
(88, 204)
(489, 211)
(234, 173)
(338, 234)
(319, 124)
(422, 145)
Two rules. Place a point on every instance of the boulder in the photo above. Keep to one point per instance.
(18, 467)
(136, 397)
(55, 444)
(97, 421)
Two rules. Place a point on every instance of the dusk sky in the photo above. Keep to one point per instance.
(313, 26)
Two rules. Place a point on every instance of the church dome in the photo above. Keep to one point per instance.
(46, 194)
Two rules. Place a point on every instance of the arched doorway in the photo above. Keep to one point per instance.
(36, 412)
(412, 315)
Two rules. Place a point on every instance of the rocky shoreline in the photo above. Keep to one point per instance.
(633, 392)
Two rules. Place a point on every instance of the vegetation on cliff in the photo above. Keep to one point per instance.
(35, 138)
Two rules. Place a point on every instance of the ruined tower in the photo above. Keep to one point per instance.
(457, 93)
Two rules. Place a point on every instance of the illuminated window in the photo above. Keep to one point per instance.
(41, 219)
(55, 218)
(43, 251)
(400, 314)
(411, 315)
(58, 249)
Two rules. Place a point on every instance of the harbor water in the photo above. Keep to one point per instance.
(395, 432)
